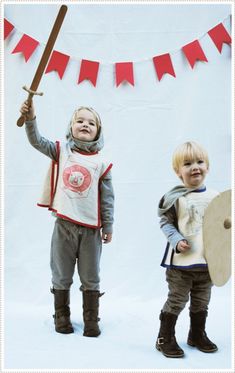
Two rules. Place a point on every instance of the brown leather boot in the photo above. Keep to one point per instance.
(166, 341)
(197, 336)
(91, 312)
(62, 311)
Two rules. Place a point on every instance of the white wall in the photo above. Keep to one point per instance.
(142, 126)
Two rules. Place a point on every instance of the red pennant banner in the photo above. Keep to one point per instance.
(163, 65)
(8, 27)
(89, 70)
(124, 72)
(58, 62)
(193, 52)
(27, 46)
(220, 35)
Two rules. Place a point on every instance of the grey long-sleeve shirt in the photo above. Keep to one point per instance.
(48, 148)
(167, 225)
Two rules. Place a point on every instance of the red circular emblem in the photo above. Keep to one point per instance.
(76, 178)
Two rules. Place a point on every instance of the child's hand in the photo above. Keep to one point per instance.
(28, 110)
(106, 237)
(183, 246)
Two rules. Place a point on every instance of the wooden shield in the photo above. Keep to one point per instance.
(217, 238)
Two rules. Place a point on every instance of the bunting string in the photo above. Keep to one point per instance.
(124, 71)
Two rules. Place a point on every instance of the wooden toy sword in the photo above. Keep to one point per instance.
(44, 59)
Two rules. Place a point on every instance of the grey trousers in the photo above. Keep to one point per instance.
(183, 284)
(73, 245)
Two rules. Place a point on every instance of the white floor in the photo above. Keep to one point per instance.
(129, 326)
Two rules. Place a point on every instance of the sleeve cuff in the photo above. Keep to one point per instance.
(32, 122)
(107, 228)
(174, 242)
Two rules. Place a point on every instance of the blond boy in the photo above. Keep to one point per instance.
(181, 212)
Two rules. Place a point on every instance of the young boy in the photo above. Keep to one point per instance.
(181, 212)
(78, 190)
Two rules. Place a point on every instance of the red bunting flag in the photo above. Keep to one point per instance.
(89, 70)
(27, 46)
(8, 27)
(219, 35)
(58, 62)
(193, 52)
(163, 65)
(124, 72)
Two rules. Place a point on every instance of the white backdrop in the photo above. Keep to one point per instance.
(142, 126)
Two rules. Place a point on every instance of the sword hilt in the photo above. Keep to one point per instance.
(31, 91)
(20, 122)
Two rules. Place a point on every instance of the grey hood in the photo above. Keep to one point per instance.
(86, 146)
(168, 200)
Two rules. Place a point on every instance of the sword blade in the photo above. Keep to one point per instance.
(48, 48)
(45, 56)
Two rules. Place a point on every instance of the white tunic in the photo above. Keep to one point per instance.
(71, 188)
(190, 212)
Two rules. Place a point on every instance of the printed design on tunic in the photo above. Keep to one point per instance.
(76, 179)
(195, 214)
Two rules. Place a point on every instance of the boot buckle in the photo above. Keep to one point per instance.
(160, 341)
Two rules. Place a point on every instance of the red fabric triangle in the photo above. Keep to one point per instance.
(193, 52)
(8, 27)
(27, 46)
(89, 70)
(58, 62)
(163, 65)
(124, 72)
(220, 35)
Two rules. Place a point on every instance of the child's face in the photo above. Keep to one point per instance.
(193, 172)
(84, 126)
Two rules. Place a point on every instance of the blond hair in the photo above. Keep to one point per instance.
(189, 151)
(75, 114)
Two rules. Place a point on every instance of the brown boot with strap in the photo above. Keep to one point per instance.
(62, 311)
(91, 313)
(197, 336)
(166, 341)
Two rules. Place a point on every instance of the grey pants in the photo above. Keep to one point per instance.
(184, 284)
(73, 244)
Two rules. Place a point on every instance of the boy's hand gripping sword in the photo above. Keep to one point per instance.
(44, 59)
